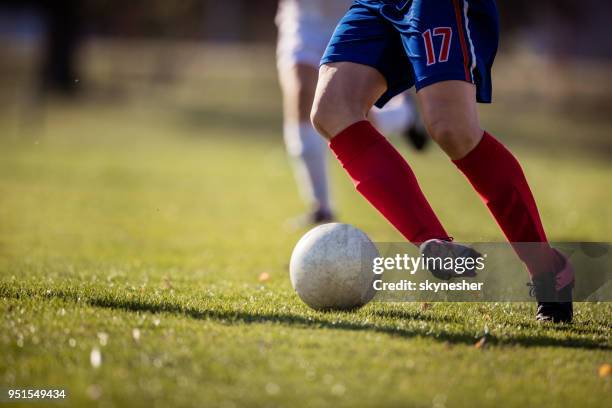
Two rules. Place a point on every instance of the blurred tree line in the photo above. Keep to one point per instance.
(561, 28)
(252, 20)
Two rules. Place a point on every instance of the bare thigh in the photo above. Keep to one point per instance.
(345, 94)
(450, 114)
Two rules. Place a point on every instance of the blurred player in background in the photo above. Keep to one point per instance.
(304, 29)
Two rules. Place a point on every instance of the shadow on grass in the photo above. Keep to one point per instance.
(292, 319)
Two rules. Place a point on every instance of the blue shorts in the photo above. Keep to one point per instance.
(420, 42)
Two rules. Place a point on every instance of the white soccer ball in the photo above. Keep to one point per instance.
(331, 267)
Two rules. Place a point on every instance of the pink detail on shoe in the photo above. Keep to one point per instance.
(565, 276)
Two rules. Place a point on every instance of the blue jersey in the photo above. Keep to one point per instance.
(420, 42)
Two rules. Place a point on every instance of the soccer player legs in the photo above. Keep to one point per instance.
(306, 148)
(304, 29)
(375, 49)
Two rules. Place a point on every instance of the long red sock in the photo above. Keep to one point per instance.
(499, 179)
(384, 178)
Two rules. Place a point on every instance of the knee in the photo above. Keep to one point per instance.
(330, 115)
(456, 139)
(321, 117)
(345, 93)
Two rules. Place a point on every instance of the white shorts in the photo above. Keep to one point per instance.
(304, 29)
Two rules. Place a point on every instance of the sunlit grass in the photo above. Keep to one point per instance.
(140, 229)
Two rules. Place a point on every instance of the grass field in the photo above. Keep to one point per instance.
(138, 226)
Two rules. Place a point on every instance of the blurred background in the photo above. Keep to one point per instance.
(107, 94)
(143, 177)
(554, 53)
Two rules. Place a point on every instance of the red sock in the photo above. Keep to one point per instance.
(498, 177)
(384, 178)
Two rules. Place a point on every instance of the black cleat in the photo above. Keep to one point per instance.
(554, 294)
(312, 218)
(439, 250)
(416, 136)
(321, 217)
(556, 312)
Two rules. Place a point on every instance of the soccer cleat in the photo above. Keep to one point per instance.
(554, 294)
(556, 312)
(416, 136)
(440, 249)
(312, 218)
(321, 217)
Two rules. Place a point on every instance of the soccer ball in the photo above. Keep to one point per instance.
(331, 267)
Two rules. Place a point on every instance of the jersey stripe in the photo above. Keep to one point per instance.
(466, 58)
(469, 37)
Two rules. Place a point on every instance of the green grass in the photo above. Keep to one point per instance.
(158, 213)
